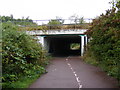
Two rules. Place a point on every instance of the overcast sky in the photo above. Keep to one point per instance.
(48, 9)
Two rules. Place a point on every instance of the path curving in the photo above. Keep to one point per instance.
(72, 72)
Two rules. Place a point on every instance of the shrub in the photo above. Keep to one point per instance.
(21, 54)
(105, 43)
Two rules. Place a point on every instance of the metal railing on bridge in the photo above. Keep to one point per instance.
(52, 24)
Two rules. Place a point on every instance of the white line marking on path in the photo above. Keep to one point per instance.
(77, 78)
(71, 68)
(75, 75)
(68, 64)
(74, 72)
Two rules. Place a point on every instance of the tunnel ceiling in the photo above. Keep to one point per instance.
(65, 38)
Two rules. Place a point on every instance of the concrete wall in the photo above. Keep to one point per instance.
(54, 44)
(48, 41)
(54, 32)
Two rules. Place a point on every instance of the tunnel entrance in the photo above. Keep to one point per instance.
(62, 45)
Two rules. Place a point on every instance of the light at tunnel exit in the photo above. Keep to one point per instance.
(62, 45)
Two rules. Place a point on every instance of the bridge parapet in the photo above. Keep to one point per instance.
(52, 32)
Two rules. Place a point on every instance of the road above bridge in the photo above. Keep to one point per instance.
(73, 72)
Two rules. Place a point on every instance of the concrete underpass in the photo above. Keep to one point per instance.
(59, 45)
(69, 71)
(58, 42)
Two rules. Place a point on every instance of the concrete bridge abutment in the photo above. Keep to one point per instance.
(57, 42)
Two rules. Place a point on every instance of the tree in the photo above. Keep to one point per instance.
(105, 43)
(59, 19)
(81, 20)
(11, 16)
(55, 23)
(76, 19)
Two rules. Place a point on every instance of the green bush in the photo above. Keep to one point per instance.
(21, 54)
(105, 42)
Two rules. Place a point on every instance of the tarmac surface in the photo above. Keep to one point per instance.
(73, 72)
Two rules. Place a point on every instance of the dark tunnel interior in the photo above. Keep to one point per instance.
(59, 45)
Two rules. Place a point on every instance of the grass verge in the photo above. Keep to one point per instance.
(23, 82)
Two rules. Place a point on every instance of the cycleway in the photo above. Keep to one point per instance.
(73, 72)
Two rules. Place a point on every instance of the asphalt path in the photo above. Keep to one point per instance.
(73, 72)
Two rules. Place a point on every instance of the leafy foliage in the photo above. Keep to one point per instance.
(105, 43)
(28, 24)
(21, 54)
(54, 24)
(74, 46)
(20, 22)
